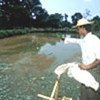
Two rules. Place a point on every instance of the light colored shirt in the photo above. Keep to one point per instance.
(82, 76)
(90, 47)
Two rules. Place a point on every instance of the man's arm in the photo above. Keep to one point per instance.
(90, 66)
(72, 40)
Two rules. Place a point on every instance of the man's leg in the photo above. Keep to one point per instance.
(89, 94)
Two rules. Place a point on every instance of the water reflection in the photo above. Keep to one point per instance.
(59, 50)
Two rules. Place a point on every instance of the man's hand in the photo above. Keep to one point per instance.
(83, 66)
(89, 66)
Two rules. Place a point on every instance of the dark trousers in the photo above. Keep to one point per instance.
(89, 94)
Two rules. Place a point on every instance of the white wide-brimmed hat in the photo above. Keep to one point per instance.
(82, 22)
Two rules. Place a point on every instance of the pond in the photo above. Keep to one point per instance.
(27, 66)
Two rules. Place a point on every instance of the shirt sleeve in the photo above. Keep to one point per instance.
(97, 48)
(97, 52)
(72, 40)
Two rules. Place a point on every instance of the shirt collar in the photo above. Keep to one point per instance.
(88, 34)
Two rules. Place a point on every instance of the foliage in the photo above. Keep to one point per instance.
(76, 17)
(29, 13)
(18, 14)
(55, 20)
(96, 25)
(26, 30)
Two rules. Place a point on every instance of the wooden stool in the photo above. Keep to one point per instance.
(54, 94)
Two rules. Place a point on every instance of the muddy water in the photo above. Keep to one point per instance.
(27, 66)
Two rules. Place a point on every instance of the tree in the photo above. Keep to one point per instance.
(65, 22)
(36, 12)
(31, 5)
(87, 13)
(21, 13)
(14, 12)
(96, 25)
(40, 17)
(55, 20)
(76, 17)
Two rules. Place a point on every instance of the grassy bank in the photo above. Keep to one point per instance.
(13, 32)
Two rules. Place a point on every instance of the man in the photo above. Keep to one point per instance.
(90, 47)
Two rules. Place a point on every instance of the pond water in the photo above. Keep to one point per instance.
(27, 66)
(60, 51)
